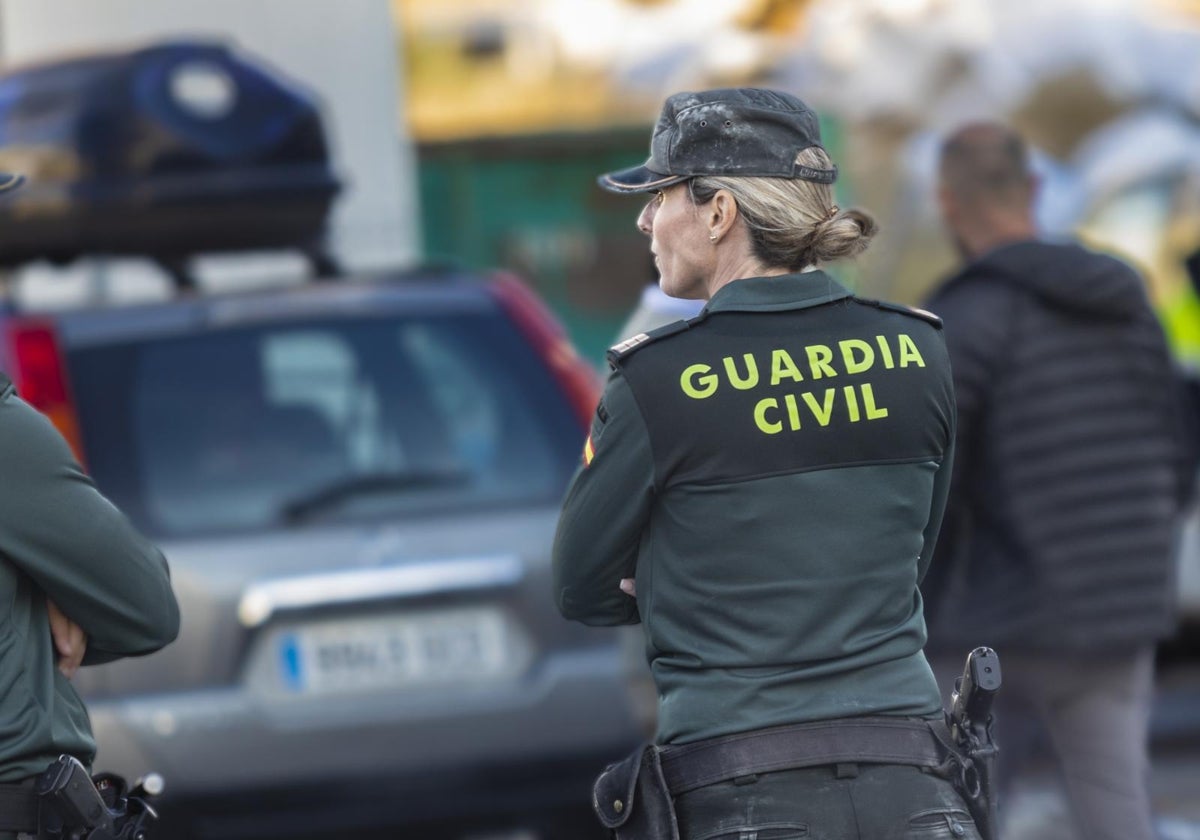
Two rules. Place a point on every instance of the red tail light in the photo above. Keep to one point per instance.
(40, 374)
(547, 336)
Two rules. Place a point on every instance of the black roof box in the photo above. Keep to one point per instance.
(166, 151)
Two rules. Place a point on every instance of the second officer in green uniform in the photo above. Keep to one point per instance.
(762, 488)
(78, 586)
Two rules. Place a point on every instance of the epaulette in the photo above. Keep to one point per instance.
(619, 351)
(911, 311)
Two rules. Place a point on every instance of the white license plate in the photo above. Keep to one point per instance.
(417, 649)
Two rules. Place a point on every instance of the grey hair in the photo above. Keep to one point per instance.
(793, 223)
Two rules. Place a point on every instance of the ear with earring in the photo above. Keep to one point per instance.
(712, 237)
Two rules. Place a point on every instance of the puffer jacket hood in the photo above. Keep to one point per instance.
(1067, 276)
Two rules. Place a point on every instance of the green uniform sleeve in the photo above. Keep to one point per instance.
(607, 508)
(937, 509)
(943, 480)
(81, 551)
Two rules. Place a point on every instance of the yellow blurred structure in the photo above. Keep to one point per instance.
(1185, 7)
(548, 88)
(478, 68)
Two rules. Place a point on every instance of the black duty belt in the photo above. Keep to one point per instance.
(18, 808)
(867, 740)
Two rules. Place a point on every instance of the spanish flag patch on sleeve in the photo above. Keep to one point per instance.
(588, 452)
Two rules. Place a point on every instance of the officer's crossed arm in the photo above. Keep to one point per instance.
(77, 548)
(606, 510)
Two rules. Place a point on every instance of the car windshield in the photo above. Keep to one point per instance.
(281, 424)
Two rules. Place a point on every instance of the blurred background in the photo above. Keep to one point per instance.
(1106, 90)
(369, 642)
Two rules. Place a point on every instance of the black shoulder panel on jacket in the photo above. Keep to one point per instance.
(924, 315)
(630, 345)
(5, 385)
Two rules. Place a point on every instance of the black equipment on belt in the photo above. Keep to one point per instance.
(65, 803)
(80, 807)
(970, 722)
(634, 798)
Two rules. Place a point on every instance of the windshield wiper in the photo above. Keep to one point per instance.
(305, 505)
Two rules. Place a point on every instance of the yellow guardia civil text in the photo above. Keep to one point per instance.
(795, 409)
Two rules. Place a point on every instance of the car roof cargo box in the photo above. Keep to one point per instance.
(168, 151)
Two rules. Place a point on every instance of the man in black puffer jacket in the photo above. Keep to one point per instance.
(1057, 543)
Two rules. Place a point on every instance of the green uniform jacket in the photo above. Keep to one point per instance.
(59, 538)
(773, 473)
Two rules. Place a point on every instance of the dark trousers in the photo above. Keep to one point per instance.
(846, 802)
(26, 785)
(1095, 711)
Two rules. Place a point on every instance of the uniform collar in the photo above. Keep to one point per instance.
(777, 294)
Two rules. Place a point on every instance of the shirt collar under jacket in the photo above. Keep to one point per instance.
(777, 294)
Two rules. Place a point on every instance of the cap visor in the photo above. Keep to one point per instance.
(10, 181)
(638, 179)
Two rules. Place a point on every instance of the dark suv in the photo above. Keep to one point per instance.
(356, 484)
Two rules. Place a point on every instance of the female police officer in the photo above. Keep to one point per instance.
(772, 473)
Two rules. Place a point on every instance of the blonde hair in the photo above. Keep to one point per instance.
(793, 223)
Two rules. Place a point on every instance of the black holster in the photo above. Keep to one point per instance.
(972, 772)
(75, 806)
(969, 721)
(632, 800)
(983, 806)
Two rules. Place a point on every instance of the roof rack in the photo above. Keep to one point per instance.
(164, 152)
